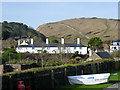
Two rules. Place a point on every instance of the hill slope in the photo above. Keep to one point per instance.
(85, 28)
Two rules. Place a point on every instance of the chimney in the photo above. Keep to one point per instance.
(90, 52)
(96, 50)
(62, 40)
(31, 40)
(78, 40)
(18, 42)
(47, 41)
(111, 42)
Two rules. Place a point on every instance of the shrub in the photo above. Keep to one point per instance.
(54, 41)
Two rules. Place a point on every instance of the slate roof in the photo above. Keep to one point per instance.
(53, 45)
(117, 41)
(104, 55)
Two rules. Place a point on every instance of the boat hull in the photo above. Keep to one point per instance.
(89, 79)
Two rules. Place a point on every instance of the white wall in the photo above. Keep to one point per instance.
(112, 48)
(81, 50)
(116, 43)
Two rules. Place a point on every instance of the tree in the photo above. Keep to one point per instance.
(95, 43)
(5, 34)
(5, 55)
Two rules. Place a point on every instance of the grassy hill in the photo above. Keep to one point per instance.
(10, 30)
(85, 28)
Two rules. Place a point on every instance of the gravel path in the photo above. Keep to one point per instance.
(115, 86)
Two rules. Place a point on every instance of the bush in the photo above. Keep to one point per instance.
(54, 41)
(7, 52)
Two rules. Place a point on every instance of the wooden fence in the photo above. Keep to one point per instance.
(56, 77)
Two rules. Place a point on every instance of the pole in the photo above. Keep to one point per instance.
(9, 58)
(42, 60)
(61, 56)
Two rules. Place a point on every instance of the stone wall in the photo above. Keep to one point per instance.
(56, 77)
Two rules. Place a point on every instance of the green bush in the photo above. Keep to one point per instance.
(8, 52)
(54, 41)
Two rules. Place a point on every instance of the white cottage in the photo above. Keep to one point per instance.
(52, 47)
(115, 46)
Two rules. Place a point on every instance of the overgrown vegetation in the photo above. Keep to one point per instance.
(7, 54)
(10, 56)
(115, 53)
(55, 67)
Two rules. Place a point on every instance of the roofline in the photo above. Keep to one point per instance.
(55, 45)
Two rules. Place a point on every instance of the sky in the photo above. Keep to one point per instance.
(37, 13)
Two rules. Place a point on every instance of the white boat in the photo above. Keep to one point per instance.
(89, 79)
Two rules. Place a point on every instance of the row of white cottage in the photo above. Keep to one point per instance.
(59, 47)
(51, 47)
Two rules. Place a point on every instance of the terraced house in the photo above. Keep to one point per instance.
(51, 47)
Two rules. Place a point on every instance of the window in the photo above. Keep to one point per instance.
(114, 47)
(48, 47)
(74, 47)
(119, 48)
(33, 47)
(80, 47)
(19, 48)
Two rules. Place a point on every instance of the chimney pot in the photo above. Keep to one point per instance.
(111, 41)
(90, 52)
(31, 40)
(18, 42)
(78, 40)
(62, 40)
(47, 41)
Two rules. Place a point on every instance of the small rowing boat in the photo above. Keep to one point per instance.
(89, 79)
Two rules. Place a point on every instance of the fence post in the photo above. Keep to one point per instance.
(10, 83)
(65, 75)
(76, 70)
(52, 78)
(98, 68)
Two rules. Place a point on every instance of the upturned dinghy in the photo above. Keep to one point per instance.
(89, 79)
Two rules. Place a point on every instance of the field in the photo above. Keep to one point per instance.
(113, 79)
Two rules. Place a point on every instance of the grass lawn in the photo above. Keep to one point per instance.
(113, 79)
